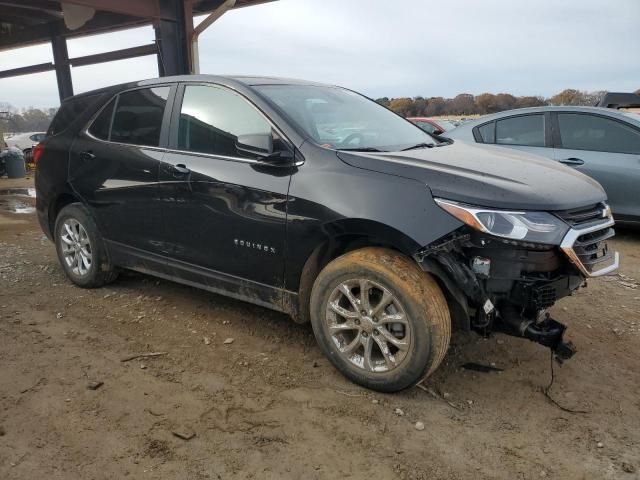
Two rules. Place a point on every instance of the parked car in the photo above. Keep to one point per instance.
(601, 142)
(384, 240)
(433, 126)
(25, 141)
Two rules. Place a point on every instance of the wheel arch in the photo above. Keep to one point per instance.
(342, 237)
(350, 235)
(57, 204)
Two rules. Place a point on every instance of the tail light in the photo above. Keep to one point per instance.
(37, 152)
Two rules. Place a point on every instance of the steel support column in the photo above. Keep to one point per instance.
(172, 37)
(62, 67)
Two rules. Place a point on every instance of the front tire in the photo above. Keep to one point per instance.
(80, 248)
(382, 321)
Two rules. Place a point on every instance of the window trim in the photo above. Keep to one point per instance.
(557, 138)
(172, 144)
(164, 128)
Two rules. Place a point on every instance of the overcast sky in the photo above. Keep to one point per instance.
(386, 48)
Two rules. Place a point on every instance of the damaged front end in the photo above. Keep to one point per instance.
(504, 270)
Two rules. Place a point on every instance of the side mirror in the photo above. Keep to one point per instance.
(260, 145)
(437, 131)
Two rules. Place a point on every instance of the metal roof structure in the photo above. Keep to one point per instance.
(619, 100)
(31, 22)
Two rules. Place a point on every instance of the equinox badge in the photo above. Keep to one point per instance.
(254, 245)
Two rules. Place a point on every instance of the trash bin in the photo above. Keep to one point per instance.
(14, 163)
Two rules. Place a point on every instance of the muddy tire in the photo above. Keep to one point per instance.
(80, 248)
(381, 321)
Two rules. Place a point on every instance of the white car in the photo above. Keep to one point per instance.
(25, 141)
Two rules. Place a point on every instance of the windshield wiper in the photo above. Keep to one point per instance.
(361, 149)
(419, 145)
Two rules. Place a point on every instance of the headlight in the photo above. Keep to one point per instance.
(538, 227)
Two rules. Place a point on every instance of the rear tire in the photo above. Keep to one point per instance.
(391, 337)
(80, 248)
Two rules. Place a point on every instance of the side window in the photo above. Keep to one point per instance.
(527, 130)
(488, 132)
(590, 132)
(101, 125)
(212, 118)
(138, 117)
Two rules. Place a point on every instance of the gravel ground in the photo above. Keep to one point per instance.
(258, 400)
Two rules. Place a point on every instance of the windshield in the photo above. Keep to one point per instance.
(338, 118)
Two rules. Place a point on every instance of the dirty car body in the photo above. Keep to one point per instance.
(261, 216)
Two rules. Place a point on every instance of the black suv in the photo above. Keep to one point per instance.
(318, 202)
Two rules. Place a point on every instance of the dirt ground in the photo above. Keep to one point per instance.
(269, 406)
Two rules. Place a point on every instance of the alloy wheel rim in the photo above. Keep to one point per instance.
(368, 325)
(76, 247)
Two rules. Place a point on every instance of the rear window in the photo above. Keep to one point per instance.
(488, 132)
(138, 116)
(426, 126)
(527, 130)
(69, 111)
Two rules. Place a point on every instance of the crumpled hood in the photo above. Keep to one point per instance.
(487, 175)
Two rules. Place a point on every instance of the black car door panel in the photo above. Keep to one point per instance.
(224, 211)
(114, 168)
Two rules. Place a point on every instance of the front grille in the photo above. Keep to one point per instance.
(587, 248)
(592, 249)
(577, 217)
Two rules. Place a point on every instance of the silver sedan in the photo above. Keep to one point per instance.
(600, 142)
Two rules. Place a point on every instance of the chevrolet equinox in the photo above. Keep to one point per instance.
(315, 201)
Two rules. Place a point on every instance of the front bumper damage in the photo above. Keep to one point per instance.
(495, 284)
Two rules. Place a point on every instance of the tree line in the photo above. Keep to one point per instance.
(25, 120)
(467, 104)
(37, 120)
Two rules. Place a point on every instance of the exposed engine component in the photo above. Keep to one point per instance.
(507, 287)
(543, 330)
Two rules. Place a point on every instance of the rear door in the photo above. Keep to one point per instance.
(607, 150)
(115, 166)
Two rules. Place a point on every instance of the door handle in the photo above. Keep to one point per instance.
(87, 155)
(180, 169)
(572, 161)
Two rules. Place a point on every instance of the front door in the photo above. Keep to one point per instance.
(114, 167)
(226, 211)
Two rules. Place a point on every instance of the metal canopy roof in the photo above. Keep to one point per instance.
(30, 22)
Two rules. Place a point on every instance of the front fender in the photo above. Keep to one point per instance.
(329, 199)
